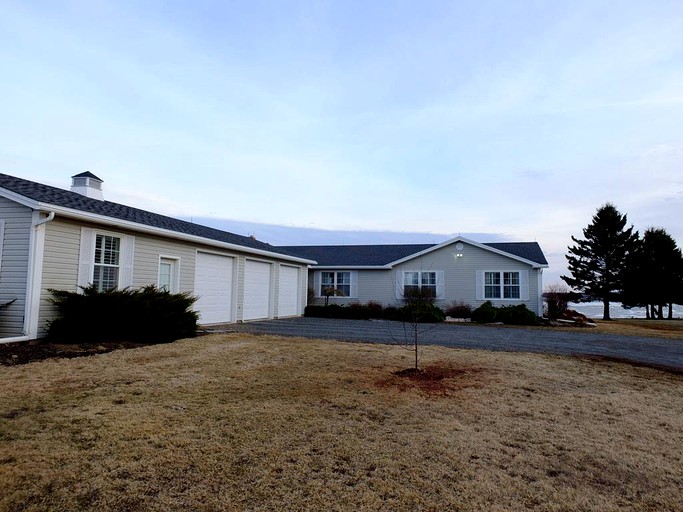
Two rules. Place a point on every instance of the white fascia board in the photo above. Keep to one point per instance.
(533, 264)
(350, 267)
(142, 228)
(18, 198)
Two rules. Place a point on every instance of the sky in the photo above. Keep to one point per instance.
(399, 121)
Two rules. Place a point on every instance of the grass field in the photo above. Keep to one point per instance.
(669, 329)
(239, 422)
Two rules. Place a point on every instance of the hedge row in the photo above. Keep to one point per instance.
(511, 315)
(421, 313)
(145, 315)
(426, 312)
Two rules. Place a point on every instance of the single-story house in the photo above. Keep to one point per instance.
(456, 270)
(52, 238)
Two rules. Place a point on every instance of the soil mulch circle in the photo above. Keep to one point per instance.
(440, 378)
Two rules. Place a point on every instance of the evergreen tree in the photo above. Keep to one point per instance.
(655, 274)
(597, 263)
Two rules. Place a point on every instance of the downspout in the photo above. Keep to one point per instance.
(50, 216)
(35, 275)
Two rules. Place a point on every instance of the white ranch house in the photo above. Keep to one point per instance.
(58, 239)
(51, 238)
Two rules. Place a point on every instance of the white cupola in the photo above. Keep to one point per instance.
(88, 185)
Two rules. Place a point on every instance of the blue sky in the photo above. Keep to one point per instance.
(503, 120)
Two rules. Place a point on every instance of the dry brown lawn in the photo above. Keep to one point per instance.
(669, 329)
(240, 422)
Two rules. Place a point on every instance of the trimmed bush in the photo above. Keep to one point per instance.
(484, 314)
(391, 313)
(146, 315)
(511, 315)
(516, 315)
(459, 309)
(422, 313)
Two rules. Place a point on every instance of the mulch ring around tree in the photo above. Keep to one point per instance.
(440, 379)
(12, 354)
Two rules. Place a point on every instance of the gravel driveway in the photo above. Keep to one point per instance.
(650, 351)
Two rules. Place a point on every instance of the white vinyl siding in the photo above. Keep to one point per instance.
(14, 255)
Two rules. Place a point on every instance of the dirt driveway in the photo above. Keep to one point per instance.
(648, 351)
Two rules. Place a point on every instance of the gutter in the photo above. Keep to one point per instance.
(50, 216)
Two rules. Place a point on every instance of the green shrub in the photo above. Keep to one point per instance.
(484, 314)
(459, 309)
(391, 313)
(353, 312)
(516, 315)
(145, 315)
(422, 313)
(511, 315)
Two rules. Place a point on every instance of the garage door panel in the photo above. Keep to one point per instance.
(213, 287)
(257, 287)
(288, 291)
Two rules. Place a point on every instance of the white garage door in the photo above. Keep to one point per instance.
(213, 287)
(289, 291)
(256, 290)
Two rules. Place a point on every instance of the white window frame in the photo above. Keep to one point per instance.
(174, 277)
(503, 283)
(86, 259)
(421, 274)
(104, 265)
(352, 283)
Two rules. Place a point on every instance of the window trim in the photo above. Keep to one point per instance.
(101, 264)
(86, 257)
(522, 285)
(352, 284)
(174, 274)
(438, 282)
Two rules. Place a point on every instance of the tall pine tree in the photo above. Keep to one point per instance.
(597, 263)
(654, 274)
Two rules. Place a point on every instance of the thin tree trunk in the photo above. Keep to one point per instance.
(671, 311)
(416, 340)
(647, 311)
(605, 309)
(660, 313)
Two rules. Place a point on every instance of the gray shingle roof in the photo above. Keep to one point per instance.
(86, 174)
(67, 199)
(356, 255)
(378, 255)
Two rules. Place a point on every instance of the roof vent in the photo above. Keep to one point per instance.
(88, 185)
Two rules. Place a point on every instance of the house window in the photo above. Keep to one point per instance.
(167, 275)
(339, 281)
(511, 285)
(107, 256)
(504, 285)
(419, 283)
